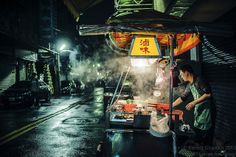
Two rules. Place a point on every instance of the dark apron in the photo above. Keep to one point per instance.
(202, 112)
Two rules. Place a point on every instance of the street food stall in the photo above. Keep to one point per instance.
(139, 113)
(137, 116)
(127, 113)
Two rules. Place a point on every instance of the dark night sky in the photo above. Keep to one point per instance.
(66, 24)
(98, 14)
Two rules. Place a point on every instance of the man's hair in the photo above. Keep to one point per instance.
(187, 68)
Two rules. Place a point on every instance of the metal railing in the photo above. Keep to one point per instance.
(133, 5)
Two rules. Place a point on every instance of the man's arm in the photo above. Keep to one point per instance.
(205, 96)
(177, 102)
(202, 98)
(182, 98)
(204, 87)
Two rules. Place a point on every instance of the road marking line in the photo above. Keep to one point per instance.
(15, 136)
(18, 132)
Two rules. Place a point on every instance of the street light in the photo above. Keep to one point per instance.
(60, 46)
(63, 46)
(56, 49)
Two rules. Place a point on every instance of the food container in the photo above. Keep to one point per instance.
(129, 107)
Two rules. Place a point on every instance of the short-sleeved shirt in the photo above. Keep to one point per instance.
(202, 110)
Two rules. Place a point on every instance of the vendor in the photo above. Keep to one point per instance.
(201, 104)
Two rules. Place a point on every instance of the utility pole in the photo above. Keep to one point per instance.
(57, 76)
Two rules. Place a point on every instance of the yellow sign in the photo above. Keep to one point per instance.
(145, 46)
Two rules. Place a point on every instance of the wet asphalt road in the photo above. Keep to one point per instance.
(66, 127)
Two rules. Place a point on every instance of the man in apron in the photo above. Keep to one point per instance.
(201, 104)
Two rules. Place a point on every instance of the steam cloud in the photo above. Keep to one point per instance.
(107, 66)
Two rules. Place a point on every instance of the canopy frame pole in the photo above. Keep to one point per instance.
(172, 46)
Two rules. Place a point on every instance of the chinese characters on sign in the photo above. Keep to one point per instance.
(144, 43)
(145, 46)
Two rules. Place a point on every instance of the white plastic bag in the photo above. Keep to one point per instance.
(159, 125)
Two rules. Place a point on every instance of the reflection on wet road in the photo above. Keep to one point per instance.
(67, 127)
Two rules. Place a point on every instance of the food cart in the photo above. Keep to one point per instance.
(136, 121)
(131, 123)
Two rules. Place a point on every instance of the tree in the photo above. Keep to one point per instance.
(30, 70)
(48, 77)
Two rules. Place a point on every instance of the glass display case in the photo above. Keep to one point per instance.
(129, 114)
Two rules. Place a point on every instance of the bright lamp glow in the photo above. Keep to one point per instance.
(63, 46)
(140, 62)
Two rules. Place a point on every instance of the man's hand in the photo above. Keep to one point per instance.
(177, 102)
(190, 105)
